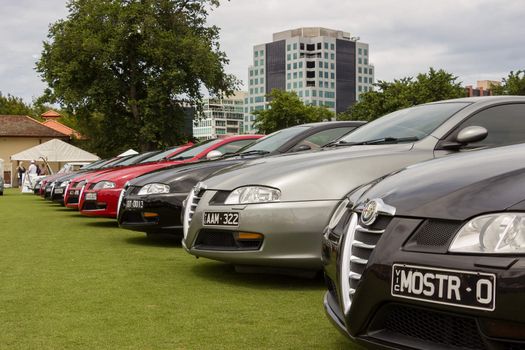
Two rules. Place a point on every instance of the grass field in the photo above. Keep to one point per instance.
(68, 281)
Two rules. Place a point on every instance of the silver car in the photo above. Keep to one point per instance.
(272, 212)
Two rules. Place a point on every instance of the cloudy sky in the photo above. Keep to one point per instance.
(474, 39)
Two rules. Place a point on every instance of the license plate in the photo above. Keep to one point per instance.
(91, 196)
(225, 218)
(134, 204)
(59, 190)
(467, 289)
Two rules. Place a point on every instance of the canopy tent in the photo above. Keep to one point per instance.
(55, 151)
(129, 152)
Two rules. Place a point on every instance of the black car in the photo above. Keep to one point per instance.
(143, 208)
(432, 257)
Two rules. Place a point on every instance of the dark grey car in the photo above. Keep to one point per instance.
(271, 212)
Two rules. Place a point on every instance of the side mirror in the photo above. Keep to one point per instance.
(301, 148)
(213, 154)
(471, 134)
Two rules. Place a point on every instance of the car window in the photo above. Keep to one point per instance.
(414, 123)
(505, 125)
(276, 139)
(194, 150)
(160, 155)
(234, 146)
(321, 138)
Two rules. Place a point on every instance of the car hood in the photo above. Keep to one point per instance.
(456, 187)
(124, 175)
(319, 175)
(184, 177)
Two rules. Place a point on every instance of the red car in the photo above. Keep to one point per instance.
(102, 193)
(76, 185)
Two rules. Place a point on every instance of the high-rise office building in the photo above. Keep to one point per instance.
(220, 117)
(324, 67)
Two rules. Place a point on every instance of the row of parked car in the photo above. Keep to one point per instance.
(416, 218)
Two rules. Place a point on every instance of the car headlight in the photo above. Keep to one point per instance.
(154, 189)
(103, 185)
(253, 194)
(338, 214)
(501, 233)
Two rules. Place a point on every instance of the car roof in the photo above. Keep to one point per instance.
(484, 99)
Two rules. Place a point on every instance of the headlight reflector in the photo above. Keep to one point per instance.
(104, 185)
(501, 233)
(253, 194)
(154, 188)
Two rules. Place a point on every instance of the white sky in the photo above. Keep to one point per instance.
(473, 39)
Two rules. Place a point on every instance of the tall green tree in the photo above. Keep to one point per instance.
(127, 69)
(433, 86)
(286, 109)
(513, 84)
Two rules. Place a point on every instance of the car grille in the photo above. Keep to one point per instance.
(224, 240)
(359, 242)
(433, 236)
(191, 204)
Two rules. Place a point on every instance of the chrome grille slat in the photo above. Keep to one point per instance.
(367, 230)
(359, 244)
(358, 260)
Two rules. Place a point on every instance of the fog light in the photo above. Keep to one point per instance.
(503, 329)
(150, 215)
(248, 236)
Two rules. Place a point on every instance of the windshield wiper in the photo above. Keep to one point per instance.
(383, 140)
(255, 151)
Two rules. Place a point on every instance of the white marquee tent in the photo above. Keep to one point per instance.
(129, 152)
(55, 151)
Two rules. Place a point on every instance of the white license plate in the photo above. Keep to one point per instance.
(226, 218)
(59, 190)
(91, 196)
(134, 204)
(466, 289)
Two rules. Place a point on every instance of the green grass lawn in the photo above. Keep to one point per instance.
(68, 281)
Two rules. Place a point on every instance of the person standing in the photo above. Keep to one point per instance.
(21, 170)
(32, 168)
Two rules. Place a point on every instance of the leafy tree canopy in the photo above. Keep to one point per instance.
(433, 86)
(126, 69)
(286, 109)
(12, 105)
(514, 84)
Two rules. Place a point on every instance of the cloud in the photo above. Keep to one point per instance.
(471, 39)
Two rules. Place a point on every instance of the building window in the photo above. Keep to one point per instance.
(370, 71)
(318, 46)
(326, 65)
(301, 64)
(295, 75)
(300, 93)
(251, 91)
(300, 85)
(288, 47)
(366, 70)
(307, 92)
(289, 86)
(251, 81)
(261, 62)
(360, 79)
(366, 52)
(288, 66)
(251, 73)
(360, 60)
(310, 47)
(314, 93)
(332, 85)
(295, 85)
(310, 64)
(332, 46)
(295, 65)
(300, 74)
(301, 46)
(360, 88)
(326, 46)
(326, 55)
(289, 57)
(326, 84)
(332, 75)
(256, 81)
(359, 70)
(371, 80)
(256, 63)
(366, 80)
(261, 80)
(261, 71)
(332, 66)
(310, 74)
(310, 83)
(295, 55)
(320, 93)
(256, 53)
(289, 76)
(360, 51)
(332, 56)
(295, 46)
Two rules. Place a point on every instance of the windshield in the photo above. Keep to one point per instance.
(275, 140)
(160, 155)
(94, 164)
(194, 150)
(412, 123)
(134, 159)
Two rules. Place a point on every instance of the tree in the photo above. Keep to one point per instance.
(127, 69)
(406, 92)
(286, 109)
(14, 105)
(514, 84)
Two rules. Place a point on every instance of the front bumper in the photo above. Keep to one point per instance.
(292, 233)
(102, 203)
(378, 318)
(159, 213)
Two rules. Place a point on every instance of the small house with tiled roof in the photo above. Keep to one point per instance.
(20, 132)
(51, 120)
